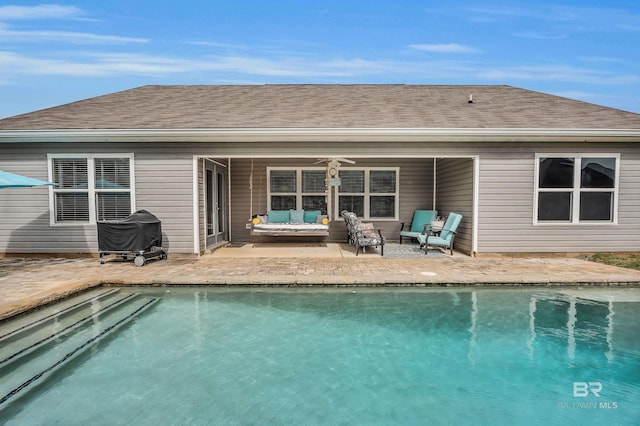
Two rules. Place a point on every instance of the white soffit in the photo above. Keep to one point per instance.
(307, 134)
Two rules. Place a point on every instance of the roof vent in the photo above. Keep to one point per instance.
(470, 99)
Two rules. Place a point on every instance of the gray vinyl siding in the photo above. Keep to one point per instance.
(163, 179)
(24, 212)
(165, 189)
(164, 186)
(506, 200)
(241, 195)
(454, 193)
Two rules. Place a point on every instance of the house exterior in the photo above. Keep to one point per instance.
(529, 172)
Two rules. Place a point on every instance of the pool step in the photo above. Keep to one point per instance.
(52, 314)
(33, 347)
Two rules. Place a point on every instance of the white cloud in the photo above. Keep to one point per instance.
(7, 34)
(533, 35)
(91, 65)
(558, 73)
(14, 65)
(43, 11)
(112, 64)
(628, 27)
(284, 67)
(603, 60)
(292, 66)
(444, 48)
(489, 15)
(559, 18)
(217, 44)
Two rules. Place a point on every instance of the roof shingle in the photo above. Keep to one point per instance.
(325, 106)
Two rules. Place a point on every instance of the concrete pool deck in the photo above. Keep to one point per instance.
(26, 283)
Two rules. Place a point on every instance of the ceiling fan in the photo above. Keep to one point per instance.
(334, 160)
(333, 164)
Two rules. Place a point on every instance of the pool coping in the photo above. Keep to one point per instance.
(28, 305)
(25, 286)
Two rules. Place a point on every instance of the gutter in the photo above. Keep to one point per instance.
(321, 134)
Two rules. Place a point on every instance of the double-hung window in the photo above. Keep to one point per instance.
(577, 188)
(371, 193)
(91, 188)
(297, 189)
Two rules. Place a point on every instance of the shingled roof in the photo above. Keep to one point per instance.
(325, 107)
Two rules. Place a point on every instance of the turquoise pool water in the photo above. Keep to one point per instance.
(207, 356)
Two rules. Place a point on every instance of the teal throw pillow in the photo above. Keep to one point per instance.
(278, 216)
(311, 216)
(296, 216)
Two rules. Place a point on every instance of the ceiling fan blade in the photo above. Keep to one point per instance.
(330, 159)
(346, 160)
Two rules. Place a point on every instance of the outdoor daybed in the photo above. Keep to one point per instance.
(297, 223)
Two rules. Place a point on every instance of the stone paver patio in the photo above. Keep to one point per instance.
(26, 283)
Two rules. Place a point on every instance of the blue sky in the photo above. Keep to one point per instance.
(54, 53)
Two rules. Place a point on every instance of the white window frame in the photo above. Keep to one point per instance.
(91, 187)
(576, 190)
(298, 193)
(367, 193)
(333, 204)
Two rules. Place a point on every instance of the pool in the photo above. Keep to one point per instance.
(149, 356)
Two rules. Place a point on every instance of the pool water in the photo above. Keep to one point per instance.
(392, 356)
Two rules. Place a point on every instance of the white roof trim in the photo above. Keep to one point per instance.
(320, 134)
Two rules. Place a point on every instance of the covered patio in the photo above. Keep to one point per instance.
(384, 191)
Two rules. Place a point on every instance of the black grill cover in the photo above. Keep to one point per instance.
(138, 232)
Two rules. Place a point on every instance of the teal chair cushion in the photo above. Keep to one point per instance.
(421, 218)
(451, 225)
(446, 235)
(437, 241)
(434, 241)
(410, 234)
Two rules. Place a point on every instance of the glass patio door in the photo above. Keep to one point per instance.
(215, 202)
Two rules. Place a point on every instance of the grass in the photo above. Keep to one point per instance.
(625, 260)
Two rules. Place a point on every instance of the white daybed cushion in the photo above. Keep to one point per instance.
(290, 227)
